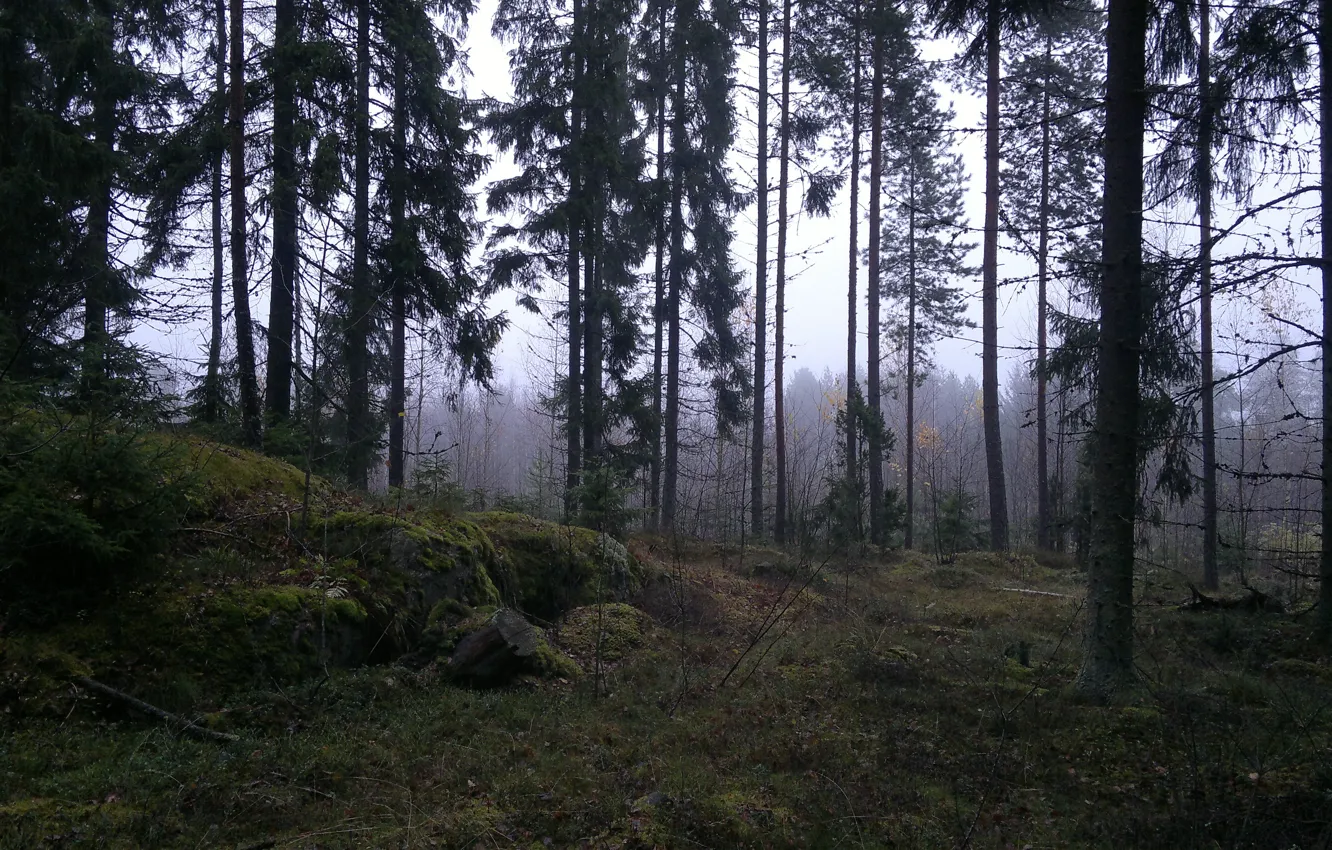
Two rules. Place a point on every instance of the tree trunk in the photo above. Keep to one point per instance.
(1325, 148)
(994, 452)
(592, 329)
(679, 150)
(1042, 309)
(573, 468)
(1107, 666)
(362, 299)
(911, 362)
(760, 285)
(97, 284)
(779, 354)
(249, 385)
(853, 255)
(212, 389)
(398, 240)
(1211, 575)
(282, 298)
(659, 276)
(875, 276)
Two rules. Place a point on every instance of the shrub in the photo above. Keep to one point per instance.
(83, 503)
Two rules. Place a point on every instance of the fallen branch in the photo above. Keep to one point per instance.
(187, 726)
(1038, 592)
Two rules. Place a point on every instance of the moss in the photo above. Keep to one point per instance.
(546, 569)
(179, 647)
(221, 473)
(612, 630)
(404, 567)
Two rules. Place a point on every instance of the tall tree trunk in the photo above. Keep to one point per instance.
(398, 240)
(573, 268)
(1042, 278)
(249, 385)
(1211, 575)
(679, 150)
(875, 277)
(359, 438)
(282, 298)
(994, 451)
(659, 279)
(853, 255)
(779, 354)
(212, 389)
(592, 328)
(1325, 149)
(760, 286)
(1107, 665)
(97, 284)
(911, 361)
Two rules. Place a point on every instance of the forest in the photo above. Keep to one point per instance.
(415, 427)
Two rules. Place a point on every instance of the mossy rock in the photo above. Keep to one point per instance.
(500, 647)
(221, 473)
(545, 569)
(406, 567)
(183, 648)
(949, 577)
(609, 631)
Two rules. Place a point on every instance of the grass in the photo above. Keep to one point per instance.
(885, 707)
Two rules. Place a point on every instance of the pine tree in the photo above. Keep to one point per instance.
(923, 250)
(1056, 75)
(760, 412)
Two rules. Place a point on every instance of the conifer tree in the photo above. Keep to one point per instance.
(923, 234)
(251, 429)
(1052, 175)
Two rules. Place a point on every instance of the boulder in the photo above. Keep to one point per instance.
(500, 647)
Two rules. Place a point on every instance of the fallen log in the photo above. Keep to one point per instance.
(189, 727)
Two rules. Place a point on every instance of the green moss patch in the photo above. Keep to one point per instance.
(545, 569)
(609, 632)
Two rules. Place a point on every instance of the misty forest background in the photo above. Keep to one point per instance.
(177, 168)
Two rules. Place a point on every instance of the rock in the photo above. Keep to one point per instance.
(546, 569)
(496, 649)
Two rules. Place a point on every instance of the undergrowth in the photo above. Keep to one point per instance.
(903, 704)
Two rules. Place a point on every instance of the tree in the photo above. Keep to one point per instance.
(760, 283)
(432, 227)
(1267, 50)
(702, 131)
(1107, 666)
(783, 213)
(281, 301)
(1056, 76)
(923, 249)
(990, 18)
(251, 428)
(874, 388)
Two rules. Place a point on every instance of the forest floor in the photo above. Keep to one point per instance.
(762, 702)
